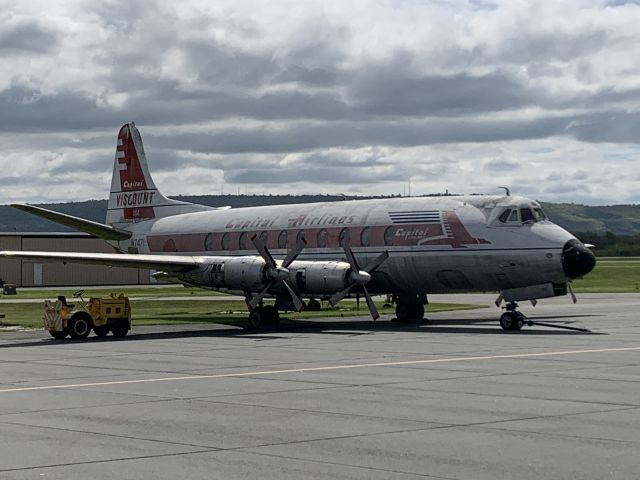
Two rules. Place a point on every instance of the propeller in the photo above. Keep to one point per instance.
(359, 277)
(574, 299)
(277, 273)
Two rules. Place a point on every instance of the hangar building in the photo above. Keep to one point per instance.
(27, 273)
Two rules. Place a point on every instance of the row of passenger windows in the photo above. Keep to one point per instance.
(524, 215)
(285, 239)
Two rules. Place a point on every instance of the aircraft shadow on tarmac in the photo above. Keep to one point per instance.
(339, 327)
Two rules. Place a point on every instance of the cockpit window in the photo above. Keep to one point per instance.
(522, 215)
(539, 213)
(527, 215)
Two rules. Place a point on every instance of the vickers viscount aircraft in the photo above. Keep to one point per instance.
(406, 247)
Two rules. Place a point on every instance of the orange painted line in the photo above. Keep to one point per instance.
(318, 369)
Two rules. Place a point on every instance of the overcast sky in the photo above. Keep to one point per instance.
(357, 97)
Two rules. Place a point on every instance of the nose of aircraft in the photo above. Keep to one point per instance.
(577, 260)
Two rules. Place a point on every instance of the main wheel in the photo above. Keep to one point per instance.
(256, 317)
(101, 331)
(511, 321)
(270, 316)
(80, 325)
(406, 312)
(313, 305)
(120, 328)
(59, 335)
(403, 312)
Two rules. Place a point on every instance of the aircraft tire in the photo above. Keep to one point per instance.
(80, 325)
(406, 312)
(271, 316)
(511, 321)
(101, 331)
(256, 317)
(313, 305)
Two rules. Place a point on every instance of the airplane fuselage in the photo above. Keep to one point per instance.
(435, 244)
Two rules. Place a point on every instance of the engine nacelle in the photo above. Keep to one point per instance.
(233, 273)
(320, 276)
(250, 274)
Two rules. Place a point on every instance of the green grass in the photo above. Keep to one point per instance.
(164, 312)
(611, 276)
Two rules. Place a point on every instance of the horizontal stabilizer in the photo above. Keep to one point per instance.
(100, 230)
(168, 263)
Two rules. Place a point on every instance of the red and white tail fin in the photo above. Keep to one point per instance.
(134, 197)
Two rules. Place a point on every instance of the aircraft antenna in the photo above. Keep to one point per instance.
(506, 191)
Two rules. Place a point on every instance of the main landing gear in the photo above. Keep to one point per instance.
(267, 315)
(512, 319)
(410, 309)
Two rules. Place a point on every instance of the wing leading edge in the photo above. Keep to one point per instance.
(168, 263)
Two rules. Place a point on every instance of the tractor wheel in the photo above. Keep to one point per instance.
(59, 335)
(80, 325)
(101, 331)
(120, 328)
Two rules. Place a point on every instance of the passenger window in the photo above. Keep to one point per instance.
(225, 241)
(389, 233)
(264, 236)
(282, 239)
(242, 241)
(208, 242)
(365, 236)
(344, 237)
(300, 236)
(527, 215)
(322, 238)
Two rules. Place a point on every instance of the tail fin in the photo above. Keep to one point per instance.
(134, 197)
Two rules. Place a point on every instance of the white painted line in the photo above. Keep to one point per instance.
(318, 369)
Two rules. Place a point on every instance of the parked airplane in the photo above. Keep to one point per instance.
(406, 247)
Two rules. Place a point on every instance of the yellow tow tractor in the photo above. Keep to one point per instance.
(103, 315)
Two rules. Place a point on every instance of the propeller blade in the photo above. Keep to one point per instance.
(376, 262)
(340, 295)
(370, 304)
(256, 299)
(350, 258)
(294, 252)
(294, 296)
(263, 251)
(574, 299)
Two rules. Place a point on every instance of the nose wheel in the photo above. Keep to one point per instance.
(512, 319)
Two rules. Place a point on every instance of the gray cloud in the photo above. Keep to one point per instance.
(26, 36)
(442, 93)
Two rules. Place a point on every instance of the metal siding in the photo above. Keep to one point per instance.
(58, 274)
(10, 269)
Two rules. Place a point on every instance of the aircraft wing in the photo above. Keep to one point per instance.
(100, 230)
(168, 263)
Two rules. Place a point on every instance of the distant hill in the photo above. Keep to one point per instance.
(617, 219)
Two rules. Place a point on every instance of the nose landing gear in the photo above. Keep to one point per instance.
(512, 319)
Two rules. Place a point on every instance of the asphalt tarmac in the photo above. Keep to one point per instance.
(455, 398)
